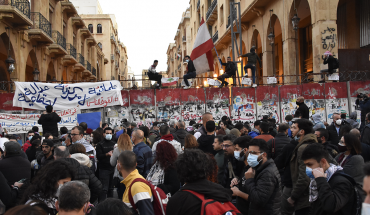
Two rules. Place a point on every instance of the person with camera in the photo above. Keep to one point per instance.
(364, 103)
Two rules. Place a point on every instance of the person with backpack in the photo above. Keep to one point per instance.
(138, 194)
(333, 65)
(154, 75)
(331, 190)
(198, 195)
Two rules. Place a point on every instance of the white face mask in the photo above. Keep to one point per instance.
(365, 209)
(338, 122)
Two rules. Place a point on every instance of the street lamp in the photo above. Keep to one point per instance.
(10, 61)
(271, 36)
(295, 21)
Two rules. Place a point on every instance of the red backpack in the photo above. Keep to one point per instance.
(160, 199)
(210, 206)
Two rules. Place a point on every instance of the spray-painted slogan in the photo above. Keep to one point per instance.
(62, 96)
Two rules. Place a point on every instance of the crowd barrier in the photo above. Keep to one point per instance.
(240, 103)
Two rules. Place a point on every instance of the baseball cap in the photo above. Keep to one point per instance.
(48, 142)
(12, 147)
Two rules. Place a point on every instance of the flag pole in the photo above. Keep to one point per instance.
(217, 55)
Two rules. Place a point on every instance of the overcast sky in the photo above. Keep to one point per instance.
(146, 28)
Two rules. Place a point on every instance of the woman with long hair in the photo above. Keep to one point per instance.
(224, 130)
(44, 187)
(163, 173)
(350, 158)
(97, 137)
(190, 142)
(123, 144)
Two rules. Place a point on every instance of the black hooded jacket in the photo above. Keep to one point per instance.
(185, 203)
(85, 175)
(205, 143)
(49, 123)
(181, 134)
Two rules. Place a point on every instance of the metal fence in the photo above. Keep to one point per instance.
(59, 39)
(40, 22)
(81, 59)
(72, 50)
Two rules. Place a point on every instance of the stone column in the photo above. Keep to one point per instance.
(290, 60)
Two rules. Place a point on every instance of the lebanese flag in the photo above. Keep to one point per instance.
(169, 81)
(202, 52)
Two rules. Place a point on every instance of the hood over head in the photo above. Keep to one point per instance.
(353, 115)
(82, 159)
(316, 118)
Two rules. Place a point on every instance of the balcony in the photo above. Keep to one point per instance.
(16, 12)
(59, 47)
(179, 49)
(215, 37)
(212, 13)
(86, 33)
(80, 66)
(91, 41)
(198, 5)
(112, 57)
(41, 29)
(71, 57)
(88, 66)
(68, 8)
(112, 39)
(94, 71)
(184, 39)
(78, 22)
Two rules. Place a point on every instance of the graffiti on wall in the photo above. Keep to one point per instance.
(268, 103)
(218, 102)
(168, 105)
(328, 39)
(142, 107)
(117, 115)
(357, 88)
(193, 109)
(244, 106)
(336, 100)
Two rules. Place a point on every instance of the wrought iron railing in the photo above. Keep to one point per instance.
(211, 9)
(40, 22)
(179, 67)
(88, 66)
(198, 5)
(229, 19)
(215, 37)
(94, 71)
(72, 50)
(112, 57)
(59, 39)
(22, 5)
(81, 59)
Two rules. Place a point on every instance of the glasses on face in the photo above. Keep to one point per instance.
(225, 146)
(254, 153)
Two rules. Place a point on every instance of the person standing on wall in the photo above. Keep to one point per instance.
(49, 121)
(333, 65)
(252, 62)
(191, 72)
(229, 71)
(154, 75)
(303, 109)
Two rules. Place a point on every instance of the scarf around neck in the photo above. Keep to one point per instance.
(168, 137)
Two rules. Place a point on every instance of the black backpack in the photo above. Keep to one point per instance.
(359, 193)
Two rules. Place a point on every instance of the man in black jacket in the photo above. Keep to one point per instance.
(206, 140)
(46, 156)
(49, 121)
(331, 62)
(191, 72)
(181, 132)
(334, 129)
(365, 148)
(262, 180)
(281, 139)
(252, 62)
(84, 173)
(230, 71)
(322, 135)
(232, 166)
(303, 109)
(331, 190)
(104, 151)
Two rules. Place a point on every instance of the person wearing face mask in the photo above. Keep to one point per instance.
(27, 144)
(262, 183)
(334, 129)
(237, 184)
(350, 157)
(191, 72)
(303, 109)
(331, 189)
(230, 71)
(104, 151)
(322, 136)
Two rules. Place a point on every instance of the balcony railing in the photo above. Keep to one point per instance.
(184, 39)
(198, 5)
(179, 67)
(22, 5)
(81, 59)
(215, 37)
(112, 57)
(40, 22)
(94, 71)
(228, 19)
(211, 9)
(113, 37)
(59, 39)
(72, 50)
(88, 66)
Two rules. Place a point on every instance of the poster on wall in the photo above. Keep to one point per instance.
(217, 100)
(193, 105)
(288, 99)
(168, 104)
(6, 104)
(117, 115)
(268, 102)
(243, 105)
(357, 87)
(336, 99)
(142, 107)
(315, 99)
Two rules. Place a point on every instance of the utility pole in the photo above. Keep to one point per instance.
(235, 15)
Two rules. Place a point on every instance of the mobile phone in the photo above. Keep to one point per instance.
(22, 180)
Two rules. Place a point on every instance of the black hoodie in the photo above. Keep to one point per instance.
(186, 203)
(206, 143)
(49, 123)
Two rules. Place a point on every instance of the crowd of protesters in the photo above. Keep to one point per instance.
(301, 166)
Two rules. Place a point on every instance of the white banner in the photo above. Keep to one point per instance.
(246, 81)
(213, 82)
(22, 123)
(63, 96)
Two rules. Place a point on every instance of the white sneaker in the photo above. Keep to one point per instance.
(186, 87)
(254, 85)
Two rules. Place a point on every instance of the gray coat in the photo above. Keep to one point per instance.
(354, 167)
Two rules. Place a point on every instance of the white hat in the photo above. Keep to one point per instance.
(82, 159)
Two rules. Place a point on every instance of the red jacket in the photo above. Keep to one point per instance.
(26, 145)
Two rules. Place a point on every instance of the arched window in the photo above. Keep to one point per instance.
(100, 29)
(100, 46)
(91, 28)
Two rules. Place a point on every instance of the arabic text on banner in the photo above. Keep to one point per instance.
(63, 96)
(22, 123)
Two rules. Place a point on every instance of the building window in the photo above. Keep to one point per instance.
(91, 28)
(100, 46)
(100, 29)
(222, 13)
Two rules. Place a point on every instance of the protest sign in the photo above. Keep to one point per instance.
(22, 123)
(213, 82)
(62, 96)
(246, 81)
(91, 119)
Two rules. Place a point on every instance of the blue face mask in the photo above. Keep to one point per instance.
(365, 209)
(63, 143)
(29, 138)
(108, 136)
(253, 160)
(309, 173)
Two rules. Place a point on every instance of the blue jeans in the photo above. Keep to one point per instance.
(189, 75)
(106, 178)
(253, 68)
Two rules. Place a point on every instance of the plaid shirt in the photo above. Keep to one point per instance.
(144, 158)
